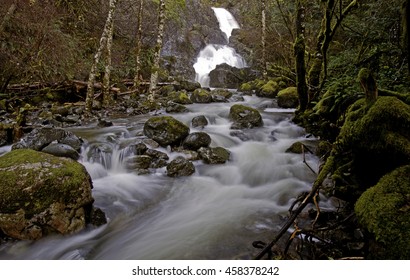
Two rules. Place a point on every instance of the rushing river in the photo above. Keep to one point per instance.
(214, 214)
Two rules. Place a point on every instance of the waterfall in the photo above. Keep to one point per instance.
(214, 54)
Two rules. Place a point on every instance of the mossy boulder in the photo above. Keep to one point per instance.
(188, 85)
(385, 211)
(41, 194)
(165, 130)
(245, 117)
(180, 97)
(288, 98)
(246, 88)
(201, 96)
(199, 121)
(270, 89)
(374, 140)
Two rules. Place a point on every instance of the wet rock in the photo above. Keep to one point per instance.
(288, 98)
(245, 117)
(180, 97)
(165, 130)
(199, 121)
(175, 108)
(240, 134)
(159, 159)
(188, 85)
(138, 162)
(39, 138)
(98, 217)
(61, 150)
(138, 149)
(104, 123)
(216, 155)
(42, 194)
(295, 148)
(226, 76)
(222, 92)
(60, 110)
(196, 140)
(180, 167)
(270, 89)
(201, 96)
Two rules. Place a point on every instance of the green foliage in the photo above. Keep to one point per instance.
(385, 211)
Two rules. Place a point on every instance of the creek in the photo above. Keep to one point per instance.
(214, 214)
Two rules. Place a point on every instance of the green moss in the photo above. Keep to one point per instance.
(270, 89)
(288, 98)
(385, 211)
(180, 97)
(33, 180)
(246, 87)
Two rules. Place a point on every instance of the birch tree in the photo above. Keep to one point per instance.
(104, 41)
(157, 51)
(138, 46)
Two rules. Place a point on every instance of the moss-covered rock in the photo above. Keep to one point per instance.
(385, 211)
(42, 194)
(197, 140)
(374, 140)
(165, 130)
(246, 88)
(245, 117)
(288, 98)
(270, 89)
(201, 96)
(180, 97)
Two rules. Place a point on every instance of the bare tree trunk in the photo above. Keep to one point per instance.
(107, 73)
(264, 65)
(138, 47)
(157, 53)
(299, 49)
(103, 44)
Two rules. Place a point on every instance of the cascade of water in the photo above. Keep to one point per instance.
(213, 54)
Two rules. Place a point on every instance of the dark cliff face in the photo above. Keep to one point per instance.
(186, 36)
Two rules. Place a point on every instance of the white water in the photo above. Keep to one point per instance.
(214, 214)
(213, 54)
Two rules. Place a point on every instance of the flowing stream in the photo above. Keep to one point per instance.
(214, 54)
(214, 214)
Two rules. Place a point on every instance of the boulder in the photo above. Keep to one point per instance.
(42, 194)
(173, 107)
(196, 140)
(138, 162)
(180, 167)
(39, 138)
(270, 89)
(384, 210)
(221, 95)
(180, 97)
(216, 155)
(188, 85)
(159, 159)
(199, 121)
(61, 150)
(226, 76)
(288, 98)
(201, 96)
(165, 130)
(245, 117)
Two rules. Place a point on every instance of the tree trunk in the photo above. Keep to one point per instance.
(138, 47)
(157, 53)
(325, 37)
(107, 73)
(299, 49)
(103, 44)
(264, 68)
